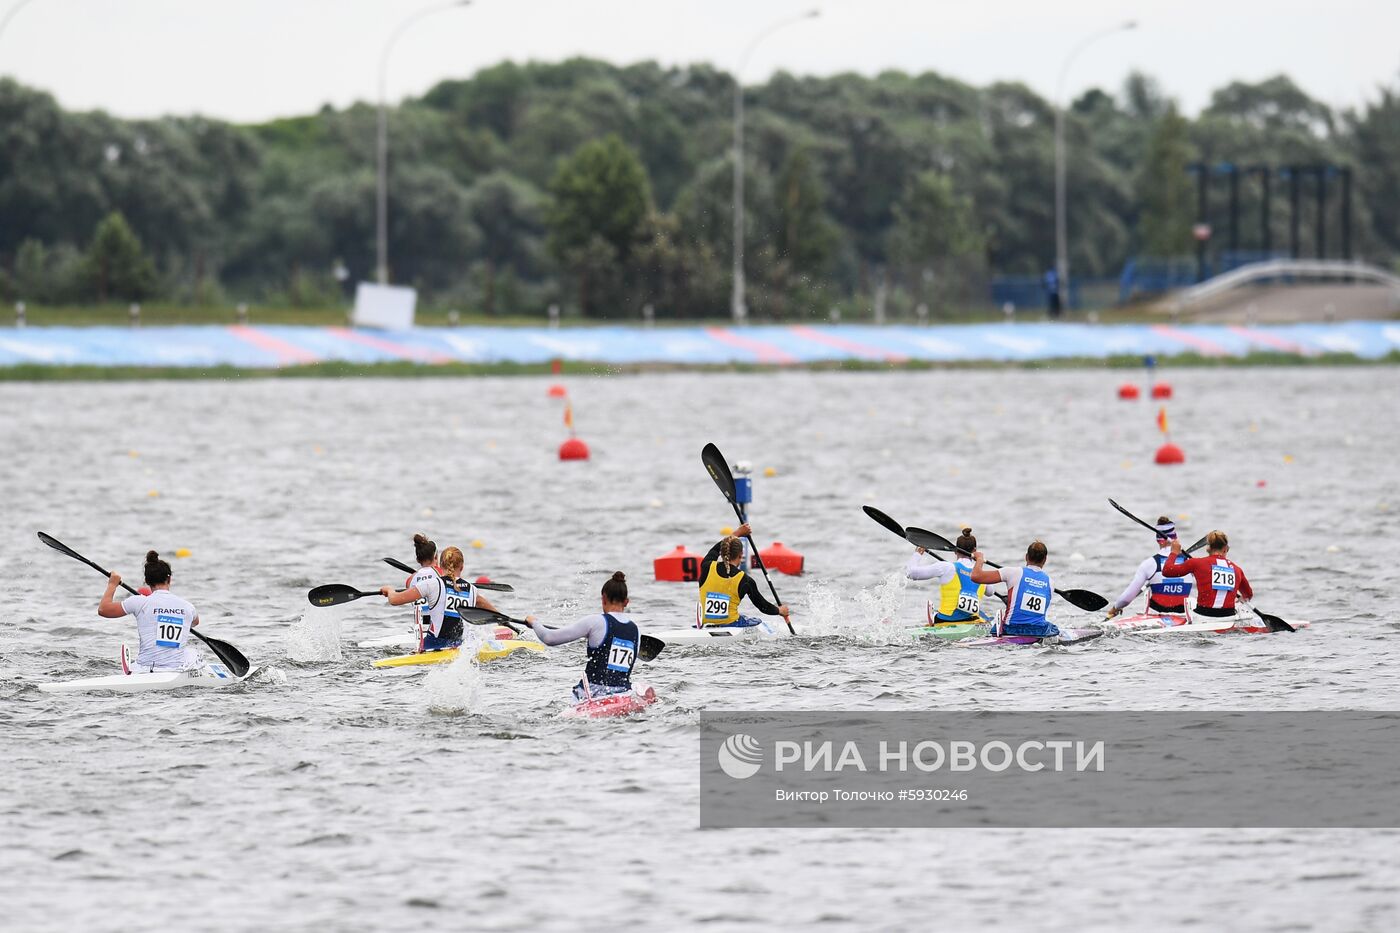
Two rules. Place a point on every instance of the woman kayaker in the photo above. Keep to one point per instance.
(959, 599)
(1028, 591)
(429, 594)
(459, 595)
(1167, 595)
(163, 620)
(723, 584)
(1219, 580)
(612, 642)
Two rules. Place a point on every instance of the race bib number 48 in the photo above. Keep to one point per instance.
(1033, 603)
(621, 655)
(716, 606)
(169, 628)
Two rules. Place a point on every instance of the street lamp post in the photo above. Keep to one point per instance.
(737, 305)
(382, 143)
(1061, 245)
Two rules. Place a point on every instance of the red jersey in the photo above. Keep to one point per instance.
(1218, 579)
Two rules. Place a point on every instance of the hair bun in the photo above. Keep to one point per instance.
(620, 577)
(967, 531)
(420, 539)
(152, 557)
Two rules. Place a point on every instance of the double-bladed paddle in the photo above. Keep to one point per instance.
(898, 529)
(647, 649)
(1274, 623)
(719, 472)
(499, 587)
(1087, 600)
(336, 594)
(231, 657)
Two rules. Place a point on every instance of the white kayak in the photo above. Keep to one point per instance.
(717, 635)
(210, 675)
(1149, 623)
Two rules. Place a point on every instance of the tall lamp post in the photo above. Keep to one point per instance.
(737, 304)
(382, 147)
(1061, 246)
(11, 13)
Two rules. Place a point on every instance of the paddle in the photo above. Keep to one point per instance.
(648, 648)
(1087, 600)
(719, 472)
(500, 587)
(1153, 528)
(884, 519)
(336, 594)
(231, 657)
(1274, 623)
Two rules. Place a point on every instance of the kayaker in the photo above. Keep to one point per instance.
(460, 594)
(723, 584)
(1219, 580)
(1167, 595)
(1028, 591)
(612, 642)
(959, 599)
(427, 590)
(163, 620)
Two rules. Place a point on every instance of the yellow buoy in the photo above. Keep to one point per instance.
(182, 552)
(478, 543)
(132, 453)
(726, 530)
(1287, 458)
(769, 471)
(153, 493)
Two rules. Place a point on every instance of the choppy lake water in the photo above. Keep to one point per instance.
(326, 795)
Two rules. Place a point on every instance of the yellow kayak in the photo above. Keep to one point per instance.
(491, 650)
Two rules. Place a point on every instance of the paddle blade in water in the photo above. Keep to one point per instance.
(335, 594)
(650, 648)
(719, 470)
(1274, 623)
(231, 657)
(1087, 600)
(477, 616)
(884, 519)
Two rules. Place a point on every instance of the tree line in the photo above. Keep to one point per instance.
(606, 188)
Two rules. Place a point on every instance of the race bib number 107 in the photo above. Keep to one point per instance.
(169, 628)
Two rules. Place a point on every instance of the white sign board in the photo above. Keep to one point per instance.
(389, 307)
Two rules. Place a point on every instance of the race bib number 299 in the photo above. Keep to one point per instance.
(716, 605)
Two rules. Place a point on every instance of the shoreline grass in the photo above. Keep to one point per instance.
(36, 372)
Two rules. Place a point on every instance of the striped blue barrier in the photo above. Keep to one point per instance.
(276, 346)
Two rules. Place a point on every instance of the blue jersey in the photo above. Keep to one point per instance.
(1030, 606)
(1168, 591)
(610, 664)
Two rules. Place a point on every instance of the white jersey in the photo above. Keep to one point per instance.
(163, 622)
(429, 610)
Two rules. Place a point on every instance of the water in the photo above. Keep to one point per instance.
(327, 795)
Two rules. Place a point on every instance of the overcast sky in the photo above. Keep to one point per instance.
(249, 60)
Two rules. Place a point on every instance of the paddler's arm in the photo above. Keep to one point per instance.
(594, 628)
(979, 574)
(399, 597)
(1242, 583)
(940, 571)
(1144, 573)
(110, 608)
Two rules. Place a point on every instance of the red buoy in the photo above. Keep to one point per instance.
(557, 391)
(573, 449)
(679, 566)
(780, 558)
(483, 579)
(1170, 453)
(1162, 390)
(1127, 391)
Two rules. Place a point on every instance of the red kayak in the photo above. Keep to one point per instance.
(614, 704)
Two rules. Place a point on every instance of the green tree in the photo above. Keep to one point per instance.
(601, 197)
(933, 221)
(116, 265)
(509, 212)
(1164, 189)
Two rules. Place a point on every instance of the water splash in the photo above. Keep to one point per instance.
(313, 638)
(455, 688)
